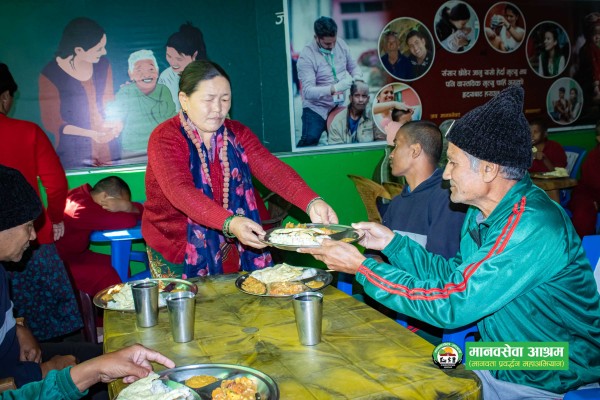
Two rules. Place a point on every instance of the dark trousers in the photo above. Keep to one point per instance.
(313, 126)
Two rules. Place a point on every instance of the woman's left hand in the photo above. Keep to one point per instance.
(322, 213)
(247, 232)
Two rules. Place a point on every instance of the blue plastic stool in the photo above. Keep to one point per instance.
(120, 250)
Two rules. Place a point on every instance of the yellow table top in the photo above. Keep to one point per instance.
(363, 354)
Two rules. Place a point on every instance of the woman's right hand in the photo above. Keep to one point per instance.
(247, 232)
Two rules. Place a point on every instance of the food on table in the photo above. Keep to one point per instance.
(198, 381)
(120, 297)
(151, 388)
(315, 284)
(253, 285)
(278, 273)
(236, 389)
(108, 296)
(558, 172)
(286, 288)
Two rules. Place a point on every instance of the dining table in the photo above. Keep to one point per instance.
(363, 354)
(553, 185)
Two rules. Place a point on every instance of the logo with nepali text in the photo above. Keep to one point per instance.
(447, 355)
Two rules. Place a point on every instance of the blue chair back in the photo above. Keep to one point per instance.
(575, 156)
(591, 245)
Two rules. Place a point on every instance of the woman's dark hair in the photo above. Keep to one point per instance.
(188, 40)
(7, 82)
(459, 12)
(198, 71)
(80, 32)
(325, 27)
(514, 9)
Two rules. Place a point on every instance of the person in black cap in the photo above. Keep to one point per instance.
(519, 257)
(20, 355)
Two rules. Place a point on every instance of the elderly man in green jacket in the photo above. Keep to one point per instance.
(520, 273)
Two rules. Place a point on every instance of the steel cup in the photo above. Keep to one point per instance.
(145, 301)
(308, 309)
(182, 312)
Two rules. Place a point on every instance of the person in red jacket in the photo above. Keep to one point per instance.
(585, 199)
(42, 291)
(547, 154)
(107, 205)
(201, 215)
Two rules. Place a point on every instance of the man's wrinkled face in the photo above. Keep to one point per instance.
(360, 98)
(466, 185)
(145, 75)
(14, 241)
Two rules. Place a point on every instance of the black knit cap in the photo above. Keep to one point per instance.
(496, 131)
(19, 203)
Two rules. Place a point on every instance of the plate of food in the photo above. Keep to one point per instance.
(119, 297)
(155, 388)
(283, 280)
(292, 237)
(223, 381)
(557, 173)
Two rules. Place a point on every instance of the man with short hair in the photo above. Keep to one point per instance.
(423, 211)
(420, 57)
(521, 273)
(107, 205)
(355, 123)
(396, 63)
(326, 70)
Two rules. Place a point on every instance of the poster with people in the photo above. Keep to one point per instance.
(95, 121)
(451, 56)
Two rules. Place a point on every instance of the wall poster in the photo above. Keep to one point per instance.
(435, 61)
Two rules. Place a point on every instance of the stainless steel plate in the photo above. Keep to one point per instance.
(321, 276)
(349, 235)
(267, 388)
(167, 285)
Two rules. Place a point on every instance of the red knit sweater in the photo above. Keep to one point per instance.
(26, 147)
(171, 196)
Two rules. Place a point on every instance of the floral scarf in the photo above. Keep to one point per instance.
(205, 246)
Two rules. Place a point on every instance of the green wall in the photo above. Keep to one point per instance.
(326, 173)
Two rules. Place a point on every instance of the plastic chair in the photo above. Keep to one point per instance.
(88, 314)
(575, 156)
(591, 245)
(121, 253)
(369, 190)
(460, 336)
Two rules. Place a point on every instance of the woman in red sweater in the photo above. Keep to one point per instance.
(42, 292)
(200, 213)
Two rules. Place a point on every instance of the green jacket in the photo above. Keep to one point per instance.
(521, 274)
(57, 385)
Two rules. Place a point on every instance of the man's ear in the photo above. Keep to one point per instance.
(417, 149)
(489, 171)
